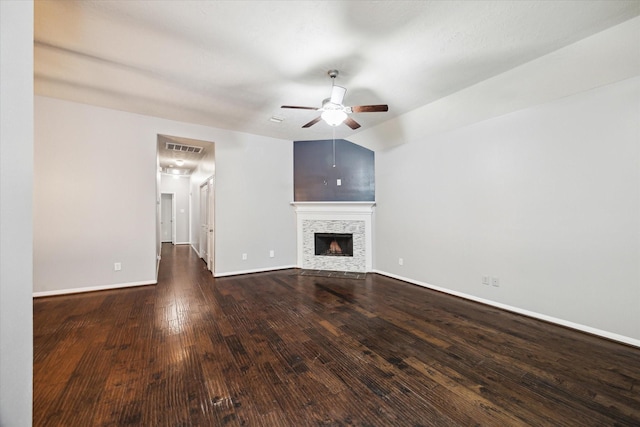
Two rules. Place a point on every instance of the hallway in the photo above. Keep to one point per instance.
(280, 349)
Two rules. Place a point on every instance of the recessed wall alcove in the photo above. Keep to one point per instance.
(333, 171)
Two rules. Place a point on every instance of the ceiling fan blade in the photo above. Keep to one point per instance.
(312, 122)
(337, 95)
(351, 123)
(369, 108)
(299, 108)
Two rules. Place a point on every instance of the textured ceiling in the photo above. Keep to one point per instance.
(231, 64)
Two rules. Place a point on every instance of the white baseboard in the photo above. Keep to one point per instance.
(92, 289)
(183, 243)
(257, 270)
(195, 250)
(588, 329)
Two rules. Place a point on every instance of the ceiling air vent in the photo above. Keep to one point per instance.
(183, 148)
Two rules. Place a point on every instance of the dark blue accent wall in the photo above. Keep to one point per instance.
(315, 177)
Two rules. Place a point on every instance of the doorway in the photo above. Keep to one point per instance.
(190, 164)
(167, 218)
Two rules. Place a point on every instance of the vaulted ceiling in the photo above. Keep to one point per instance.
(232, 64)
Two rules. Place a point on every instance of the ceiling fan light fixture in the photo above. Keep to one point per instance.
(334, 113)
(334, 117)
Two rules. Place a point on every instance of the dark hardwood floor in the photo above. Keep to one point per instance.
(280, 349)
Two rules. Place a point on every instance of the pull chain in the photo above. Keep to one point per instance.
(334, 146)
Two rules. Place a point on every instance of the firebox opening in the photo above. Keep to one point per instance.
(334, 244)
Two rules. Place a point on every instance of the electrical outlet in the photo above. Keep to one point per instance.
(244, 257)
(339, 182)
(495, 282)
(486, 280)
(117, 266)
(400, 261)
(272, 253)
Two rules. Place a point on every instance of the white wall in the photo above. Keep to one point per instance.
(95, 195)
(16, 231)
(546, 198)
(179, 186)
(253, 215)
(248, 177)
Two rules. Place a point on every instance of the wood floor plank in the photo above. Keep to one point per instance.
(280, 349)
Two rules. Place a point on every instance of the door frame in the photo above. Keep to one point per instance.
(211, 241)
(209, 209)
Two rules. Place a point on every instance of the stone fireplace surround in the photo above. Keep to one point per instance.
(335, 217)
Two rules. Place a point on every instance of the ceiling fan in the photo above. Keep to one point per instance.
(333, 112)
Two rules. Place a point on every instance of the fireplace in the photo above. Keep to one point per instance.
(333, 244)
(339, 219)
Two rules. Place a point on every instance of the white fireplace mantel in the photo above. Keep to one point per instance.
(348, 213)
(335, 207)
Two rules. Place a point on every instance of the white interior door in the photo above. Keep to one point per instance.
(210, 224)
(166, 217)
(204, 226)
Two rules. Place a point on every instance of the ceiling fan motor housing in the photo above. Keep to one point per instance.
(328, 105)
